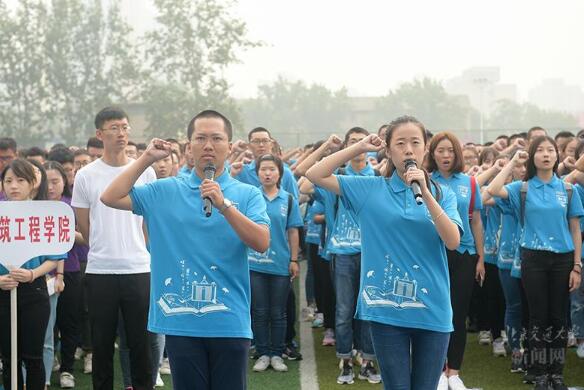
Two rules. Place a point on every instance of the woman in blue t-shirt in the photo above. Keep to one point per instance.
(549, 211)
(272, 271)
(465, 263)
(403, 289)
(19, 181)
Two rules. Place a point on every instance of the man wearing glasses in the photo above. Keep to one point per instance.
(260, 141)
(118, 264)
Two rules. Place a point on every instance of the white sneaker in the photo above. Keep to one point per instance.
(278, 364)
(262, 364)
(499, 347)
(159, 382)
(78, 353)
(580, 351)
(572, 342)
(67, 381)
(87, 363)
(165, 367)
(485, 337)
(455, 383)
(443, 382)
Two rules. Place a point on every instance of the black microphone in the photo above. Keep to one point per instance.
(415, 185)
(209, 171)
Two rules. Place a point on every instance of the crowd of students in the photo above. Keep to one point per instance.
(411, 240)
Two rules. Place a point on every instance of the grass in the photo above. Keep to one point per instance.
(481, 369)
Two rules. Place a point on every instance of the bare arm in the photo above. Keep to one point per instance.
(575, 278)
(478, 233)
(497, 186)
(254, 235)
(313, 157)
(82, 219)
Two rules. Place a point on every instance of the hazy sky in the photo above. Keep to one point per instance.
(371, 46)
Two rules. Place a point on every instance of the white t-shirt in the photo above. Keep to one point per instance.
(116, 238)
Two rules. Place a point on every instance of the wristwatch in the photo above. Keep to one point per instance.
(226, 204)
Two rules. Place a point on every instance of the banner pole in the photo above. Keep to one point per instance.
(13, 340)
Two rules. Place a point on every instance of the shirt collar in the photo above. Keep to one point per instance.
(366, 171)
(436, 174)
(195, 181)
(281, 194)
(538, 183)
(396, 182)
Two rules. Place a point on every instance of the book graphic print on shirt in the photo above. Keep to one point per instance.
(347, 234)
(198, 294)
(399, 288)
(261, 258)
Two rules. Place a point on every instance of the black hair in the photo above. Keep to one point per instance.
(258, 130)
(210, 114)
(94, 142)
(502, 136)
(533, 145)
(513, 137)
(486, 152)
(535, 128)
(489, 143)
(276, 160)
(354, 130)
(132, 143)
(24, 169)
(579, 150)
(36, 151)
(109, 114)
(563, 134)
(61, 155)
(172, 140)
(141, 146)
(58, 167)
(8, 143)
(81, 152)
(57, 146)
(43, 190)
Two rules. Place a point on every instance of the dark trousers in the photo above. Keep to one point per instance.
(208, 363)
(291, 316)
(69, 319)
(107, 295)
(461, 267)
(495, 300)
(545, 277)
(33, 317)
(323, 290)
(85, 326)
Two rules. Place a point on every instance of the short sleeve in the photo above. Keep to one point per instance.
(478, 204)
(514, 195)
(289, 183)
(450, 206)
(80, 198)
(142, 196)
(575, 208)
(295, 219)
(503, 205)
(317, 208)
(256, 208)
(354, 191)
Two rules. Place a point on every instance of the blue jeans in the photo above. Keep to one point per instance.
(269, 295)
(402, 351)
(349, 331)
(577, 307)
(208, 363)
(49, 347)
(512, 291)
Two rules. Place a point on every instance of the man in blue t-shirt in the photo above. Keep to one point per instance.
(200, 292)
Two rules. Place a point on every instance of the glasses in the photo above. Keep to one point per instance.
(202, 140)
(261, 141)
(118, 129)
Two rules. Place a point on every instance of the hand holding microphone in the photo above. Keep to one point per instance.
(208, 191)
(415, 178)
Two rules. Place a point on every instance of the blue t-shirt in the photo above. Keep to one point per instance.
(276, 259)
(248, 175)
(404, 269)
(200, 272)
(491, 217)
(313, 230)
(459, 183)
(580, 190)
(35, 262)
(510, 233)
(345, 236)
(184, 171)
(546, 214)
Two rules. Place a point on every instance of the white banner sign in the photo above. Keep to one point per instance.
(34, 228)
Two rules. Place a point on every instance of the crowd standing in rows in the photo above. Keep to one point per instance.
(185, 254)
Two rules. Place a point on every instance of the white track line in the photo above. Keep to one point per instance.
(308, 376)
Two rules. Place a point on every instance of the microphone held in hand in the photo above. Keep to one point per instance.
(209, 175)
(409, 164)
